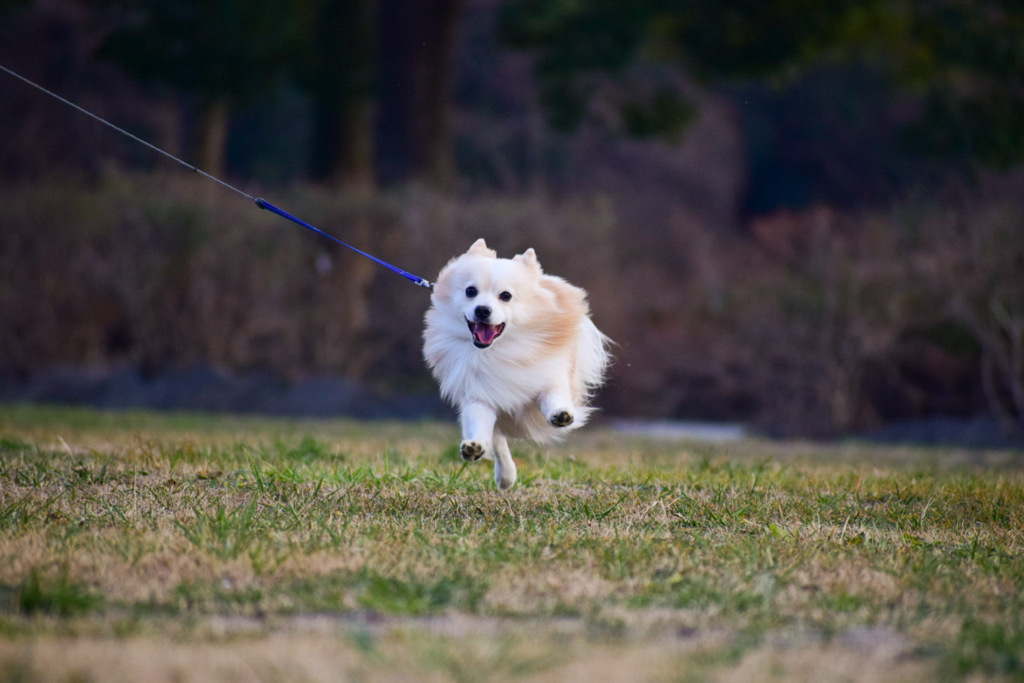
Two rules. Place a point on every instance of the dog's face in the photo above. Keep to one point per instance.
(487, 294)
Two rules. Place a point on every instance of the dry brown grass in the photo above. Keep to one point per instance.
(143, 547)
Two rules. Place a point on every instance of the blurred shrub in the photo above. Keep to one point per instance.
(853, 321)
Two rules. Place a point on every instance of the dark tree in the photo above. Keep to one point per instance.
(221, 52)
(340, 73)
(418, 46)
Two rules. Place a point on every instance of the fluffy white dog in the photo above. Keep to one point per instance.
(514, 350)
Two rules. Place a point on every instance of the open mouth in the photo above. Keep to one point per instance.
(484, 334)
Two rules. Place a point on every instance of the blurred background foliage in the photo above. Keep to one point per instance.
(806, 216)
(963, 58)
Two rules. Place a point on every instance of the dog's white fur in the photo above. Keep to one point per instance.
(514, 350)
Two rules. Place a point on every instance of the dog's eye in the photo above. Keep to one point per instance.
(471, 292)
(505, 296)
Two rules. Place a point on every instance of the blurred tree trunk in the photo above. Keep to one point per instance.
(211, 135)
(342, 85)
(419, 39)
(342, 80)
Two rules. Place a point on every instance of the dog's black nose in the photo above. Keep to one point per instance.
(482, 312)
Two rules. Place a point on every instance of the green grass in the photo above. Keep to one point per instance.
(370, 549)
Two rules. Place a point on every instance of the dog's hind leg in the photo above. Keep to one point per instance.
(504, 465)
(477, 421)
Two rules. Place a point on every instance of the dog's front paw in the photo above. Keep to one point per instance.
(472, 450)
(562, 418)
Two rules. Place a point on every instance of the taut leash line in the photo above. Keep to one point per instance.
(122, 131)
(261, 203)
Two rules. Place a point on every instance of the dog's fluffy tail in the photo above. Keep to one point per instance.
(594, 358)
(531, 424)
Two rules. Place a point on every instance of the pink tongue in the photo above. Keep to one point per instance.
(484, 333)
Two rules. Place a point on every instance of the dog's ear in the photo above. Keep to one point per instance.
(480, 248)
(529, 259)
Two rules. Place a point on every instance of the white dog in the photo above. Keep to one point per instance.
(514, 350)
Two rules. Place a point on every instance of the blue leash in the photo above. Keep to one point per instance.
(264, 204)
(260, 202)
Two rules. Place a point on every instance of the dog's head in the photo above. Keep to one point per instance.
(486, 293)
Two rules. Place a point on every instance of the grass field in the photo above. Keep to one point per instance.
(143, 547)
